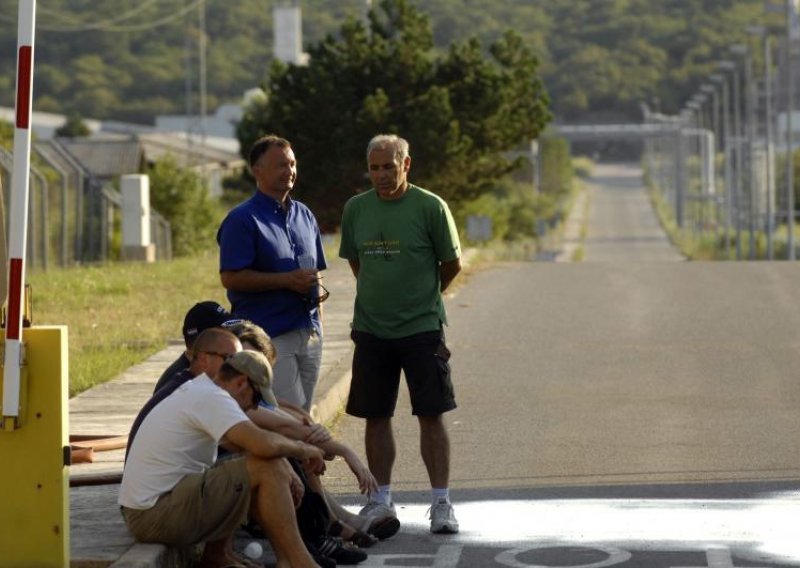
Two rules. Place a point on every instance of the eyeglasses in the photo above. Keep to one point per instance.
(224, 356)
(314, 301)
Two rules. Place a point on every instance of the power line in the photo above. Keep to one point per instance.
(108, 25)
(78, 25)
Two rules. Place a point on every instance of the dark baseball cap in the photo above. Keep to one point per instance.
(205, 315)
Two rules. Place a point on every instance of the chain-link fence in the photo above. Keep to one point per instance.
(74, 218)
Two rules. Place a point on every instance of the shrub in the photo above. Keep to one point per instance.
(181, 196)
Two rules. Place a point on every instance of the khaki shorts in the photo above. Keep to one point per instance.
(202, 507)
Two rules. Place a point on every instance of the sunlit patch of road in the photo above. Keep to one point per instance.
(760, 529)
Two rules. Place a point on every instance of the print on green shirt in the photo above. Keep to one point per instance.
(399, 245)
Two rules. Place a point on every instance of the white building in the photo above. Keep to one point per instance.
(287, 25)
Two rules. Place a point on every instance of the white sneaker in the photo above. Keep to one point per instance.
(375, 510)
(443, 519)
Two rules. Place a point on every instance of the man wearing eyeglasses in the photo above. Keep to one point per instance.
(174, 493)
(270, 261)
(402, 245)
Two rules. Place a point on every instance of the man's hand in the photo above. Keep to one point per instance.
(318, 435)
(313, 459)
(302, 280)
(366, 481)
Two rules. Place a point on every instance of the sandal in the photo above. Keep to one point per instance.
(357, 537)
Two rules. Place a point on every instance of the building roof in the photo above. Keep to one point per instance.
(189, 152)
(106, 157)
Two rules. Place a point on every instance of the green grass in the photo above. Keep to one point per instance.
(711, 245)
(118, 314)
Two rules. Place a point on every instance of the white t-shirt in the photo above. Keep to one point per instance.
(178, 437)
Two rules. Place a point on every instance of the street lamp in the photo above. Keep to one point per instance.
(761, 31)
(709, 90)
(743, 51)
(726, 152)
(728, 65)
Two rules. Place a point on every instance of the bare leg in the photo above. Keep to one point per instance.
(274, 511)
(342, 515)
(379, 442)
(435, 449)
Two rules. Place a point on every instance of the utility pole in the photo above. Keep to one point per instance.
(749, 133)
(726, 150)
(201, 59)
(188, 87)
(770, 146)
(737, 155)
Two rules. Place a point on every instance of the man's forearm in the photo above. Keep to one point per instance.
(266, 444)
(248, 280)
(274, 421)
(301, 280)
(447, 272)
(283, 447)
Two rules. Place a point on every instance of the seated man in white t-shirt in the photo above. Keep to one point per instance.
(172, 491)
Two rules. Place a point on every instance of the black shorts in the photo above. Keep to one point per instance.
(377, 363)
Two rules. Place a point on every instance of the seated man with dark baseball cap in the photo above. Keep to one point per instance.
(200, 317)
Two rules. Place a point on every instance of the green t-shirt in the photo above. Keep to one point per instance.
(399, 245)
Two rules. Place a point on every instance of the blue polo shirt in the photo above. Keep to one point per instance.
(259, 235)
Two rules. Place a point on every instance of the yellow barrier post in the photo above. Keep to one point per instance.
(34, 454)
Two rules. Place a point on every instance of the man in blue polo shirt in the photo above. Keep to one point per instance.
(270, 258)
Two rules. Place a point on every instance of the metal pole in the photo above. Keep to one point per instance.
(726, 152)
(718, 146)
(738, 161)
(770, 221)
(789, 134)
(750, 132)
(201, 57)
(680, 175)
(80, 179)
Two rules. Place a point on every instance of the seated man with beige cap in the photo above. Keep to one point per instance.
(174, 493)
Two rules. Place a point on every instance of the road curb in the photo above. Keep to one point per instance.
(326, 410)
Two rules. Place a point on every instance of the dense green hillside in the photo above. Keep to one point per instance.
(127, 59)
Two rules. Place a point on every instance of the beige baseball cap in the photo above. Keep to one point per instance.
(258, 371)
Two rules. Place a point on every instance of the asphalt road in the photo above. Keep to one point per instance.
(628, 410)
(622, 226)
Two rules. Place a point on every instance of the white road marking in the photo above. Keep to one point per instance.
(718, 558)
(762, 527)
(509, 557)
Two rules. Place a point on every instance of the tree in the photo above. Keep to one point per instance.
(180, 195)
(73, 127)
(460, 111)
(648, 49)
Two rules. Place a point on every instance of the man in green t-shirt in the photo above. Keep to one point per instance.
(402, 244)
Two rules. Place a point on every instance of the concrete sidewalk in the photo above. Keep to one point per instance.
(98, 536)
